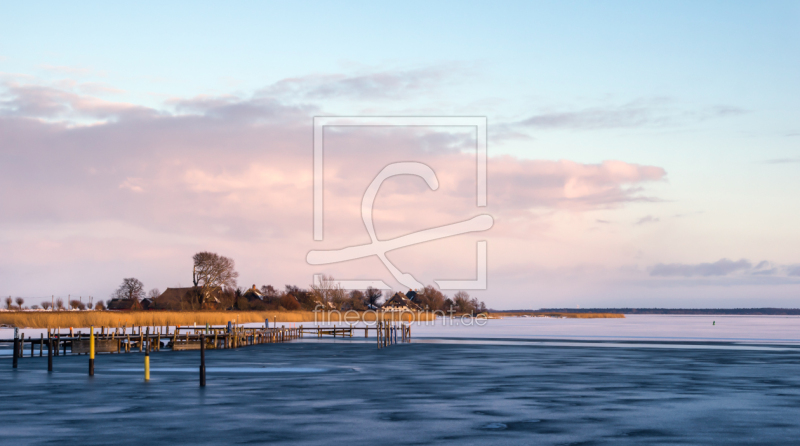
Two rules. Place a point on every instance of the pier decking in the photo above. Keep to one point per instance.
(117, 340)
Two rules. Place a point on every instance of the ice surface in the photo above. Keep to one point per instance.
(449, 388)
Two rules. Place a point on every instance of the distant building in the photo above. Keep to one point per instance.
(401, 302)
(174, 296)
(253, 294)
(124, 304)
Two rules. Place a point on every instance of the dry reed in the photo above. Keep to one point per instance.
(52, 319)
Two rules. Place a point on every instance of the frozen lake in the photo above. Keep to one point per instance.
(639, 380)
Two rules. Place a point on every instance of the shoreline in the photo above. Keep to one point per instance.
(54, 319)
(501, 315)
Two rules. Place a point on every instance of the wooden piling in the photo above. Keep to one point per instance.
(91, 351)
(49, 353)
(147, 363)
(202, 360)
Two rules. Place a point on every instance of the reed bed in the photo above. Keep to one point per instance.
(53, 319)
(567, 315)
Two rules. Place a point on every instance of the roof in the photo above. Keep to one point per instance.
(399, 301)
(253, 293)
(177, 294)
(123, 304)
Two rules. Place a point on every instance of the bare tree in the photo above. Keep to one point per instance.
(464, 303)
(430, 298)
(9, 302)
(373, 295)
(213, 272)
(75, 304)
(152, 294)
(19, 302)
(131, 288)
(99, 306)
(59, 304)
(47, 305)
(357, 300)
(327, 291)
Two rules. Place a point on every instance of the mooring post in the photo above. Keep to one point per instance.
(49, 353)
(16, 350)
(91, 350)
(202, 360)
(41, 344)
(147, 363)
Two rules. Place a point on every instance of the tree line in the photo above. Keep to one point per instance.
(214, 277)
(56, 303)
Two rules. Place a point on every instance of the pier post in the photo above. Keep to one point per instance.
(202, 360)
(49, 353)
(147, 363)
(91, 350)
(41, 344)
(16, 353)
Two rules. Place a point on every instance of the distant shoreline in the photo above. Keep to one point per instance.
(557, 314)
(687, 311)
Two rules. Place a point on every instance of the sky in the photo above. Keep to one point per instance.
(640, 154)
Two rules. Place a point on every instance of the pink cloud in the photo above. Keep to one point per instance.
(144, 189)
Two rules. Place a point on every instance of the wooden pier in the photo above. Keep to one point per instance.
(386, 333)
(141, 339)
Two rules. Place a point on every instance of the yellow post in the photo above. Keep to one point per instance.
(147, 365)
(91, 350)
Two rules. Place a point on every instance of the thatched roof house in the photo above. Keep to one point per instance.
(176, 294)
(401, 302)
(253, 294)
(124, 304)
